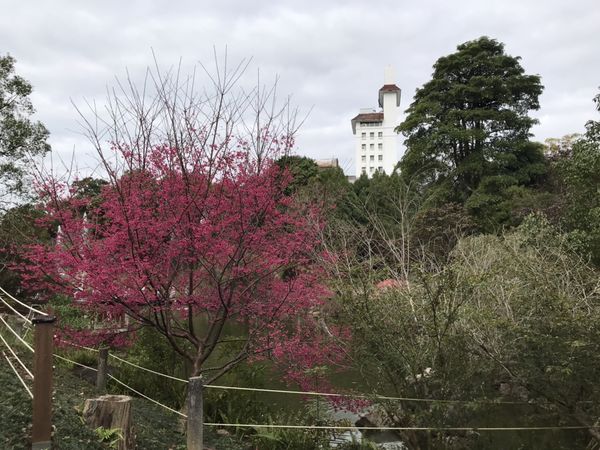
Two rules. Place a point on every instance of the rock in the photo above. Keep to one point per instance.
(371, 419)
(392, 446)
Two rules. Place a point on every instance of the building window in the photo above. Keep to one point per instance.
(371, 147)
(371, 169)
(364, 135)
(372, 135)
(363, 169)
(372, 158)
(380, 147)
(363, 158)
(363, 147)
(379, 157)
(380, 169)
(380, 134)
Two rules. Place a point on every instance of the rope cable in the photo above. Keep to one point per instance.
(312, 393)
(18, 376)
(147, 370)
(74, 362)
(335, 427)
(123, 384)
(368, 397)
(79, 346)
(23, 304)
(14, 310)
(332, 427)
(145, 396)
(126, 362)
(323, 394)
(17, 358)
(16, 334)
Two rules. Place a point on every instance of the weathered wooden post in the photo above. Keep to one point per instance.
(195, 412)
(41, 433)
(102, 369)
(112, 412)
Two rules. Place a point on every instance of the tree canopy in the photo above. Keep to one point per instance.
(191, 234)
(20, 137)
(579, 169)
(467, 130)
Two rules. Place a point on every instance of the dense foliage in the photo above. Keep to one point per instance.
(20, 137)
(189, 256)
(579, 172)
(467, 131)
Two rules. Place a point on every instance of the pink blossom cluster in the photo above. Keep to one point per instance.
(179, 236)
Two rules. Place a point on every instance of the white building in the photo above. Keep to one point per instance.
(376, 140)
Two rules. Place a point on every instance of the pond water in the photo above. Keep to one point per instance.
(271, 379)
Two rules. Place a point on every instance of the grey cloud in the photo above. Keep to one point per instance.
(329, 55)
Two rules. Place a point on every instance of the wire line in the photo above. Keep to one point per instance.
(18, 376)
(312, 393)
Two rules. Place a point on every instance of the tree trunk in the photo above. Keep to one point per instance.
(112, 412)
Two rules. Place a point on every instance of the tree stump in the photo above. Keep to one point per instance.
(112, 412)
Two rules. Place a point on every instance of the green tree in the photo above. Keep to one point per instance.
(467, 131)
(18, 229)
(20, 137)
(509, 318)
(303, 170)
(579, 168)
(327, 186)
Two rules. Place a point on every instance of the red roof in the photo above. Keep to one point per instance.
(366, 117)
(389, 88)
(369, 117)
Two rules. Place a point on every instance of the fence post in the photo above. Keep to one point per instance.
(41, 433)
(102, 369)
(195, 414)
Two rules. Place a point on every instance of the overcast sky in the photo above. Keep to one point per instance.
(329, 55)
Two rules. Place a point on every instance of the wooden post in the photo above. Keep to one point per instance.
(102, 369)
(195, 418)
(41, 433)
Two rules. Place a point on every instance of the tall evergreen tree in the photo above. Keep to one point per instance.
(20, 137)
(467, 130)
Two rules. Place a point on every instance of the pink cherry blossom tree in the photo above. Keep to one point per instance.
(193, 231)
